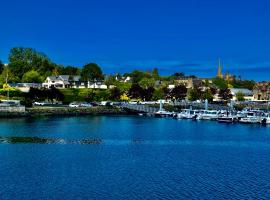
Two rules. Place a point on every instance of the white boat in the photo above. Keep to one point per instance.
(163, 113)
(266, 119)
(227, 118)
(251, 118)
(187, 114)
(208, 115)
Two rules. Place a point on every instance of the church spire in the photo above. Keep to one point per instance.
(219, 74)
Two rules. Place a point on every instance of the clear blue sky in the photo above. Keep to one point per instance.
(121, 35)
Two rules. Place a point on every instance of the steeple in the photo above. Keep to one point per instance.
(219, 74)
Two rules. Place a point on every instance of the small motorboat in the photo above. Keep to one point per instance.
(187, 114)
(227, 119)
(266, 119)
(251, 118)
(163, 113)
(209, 115)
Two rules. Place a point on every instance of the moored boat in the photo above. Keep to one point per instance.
(162, 113)
(187, 114)
(266, 119)
(208, 115)
(252, 117)
(227, 119)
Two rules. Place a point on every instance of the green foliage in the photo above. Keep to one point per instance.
(179, 92)
(123, 87)
(155, 74)
(22, 60)
(91, 72)
(52, 94)
(72, 94)
(225, 94)
(1, 66)
(32, 77)
(7, 76)
(137, 76)
(207, 94)
(69, 70)
(136, 91)
(220, 83)
(240, 96)
(194, 94)
(84, 94)
(249, 84)
(158, 94)
(148, 93)
(110, 80)
(115, 94)
(147, 82)
(11, 92)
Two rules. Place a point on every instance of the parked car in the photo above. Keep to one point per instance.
(36, 103)
(85, 104)
(106, 103)
(133, 102)
(73, 105)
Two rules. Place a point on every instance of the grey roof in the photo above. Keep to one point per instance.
(245, 91)
(65, 78)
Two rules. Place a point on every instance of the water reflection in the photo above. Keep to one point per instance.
(38, 140)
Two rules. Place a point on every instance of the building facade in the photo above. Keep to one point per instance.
(67, 81)
(261, 91)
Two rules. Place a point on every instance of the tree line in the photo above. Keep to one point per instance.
(31, 66)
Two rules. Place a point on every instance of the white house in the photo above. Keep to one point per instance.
(67, 81)
(248, 94)
(123, 79)
(61, 81)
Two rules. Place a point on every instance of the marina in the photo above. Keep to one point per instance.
(246, 116)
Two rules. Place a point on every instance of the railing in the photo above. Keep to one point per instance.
(140, 108)
(14, 109)
(200, 105)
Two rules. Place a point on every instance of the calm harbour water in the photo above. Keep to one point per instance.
(132, 157)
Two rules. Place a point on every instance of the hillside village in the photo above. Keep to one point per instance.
(30, 76)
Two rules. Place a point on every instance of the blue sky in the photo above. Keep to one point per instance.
(121, 35)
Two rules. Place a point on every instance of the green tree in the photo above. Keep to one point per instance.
(115, 94)
(207, 94)
(147, 82)
(136, 91)
(32, 77)
(158, 94)
(148, 93)
(110, 80)
(179, 92)
(155, 74)
(194, 94)
(91, 72)
(7, 76)
(240, 96)
(220, 83)
(1, 66)
(225, 94)
(22, 60)
(70, 70)
(137, 76)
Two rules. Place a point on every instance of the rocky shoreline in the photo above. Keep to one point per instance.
(64, 111)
